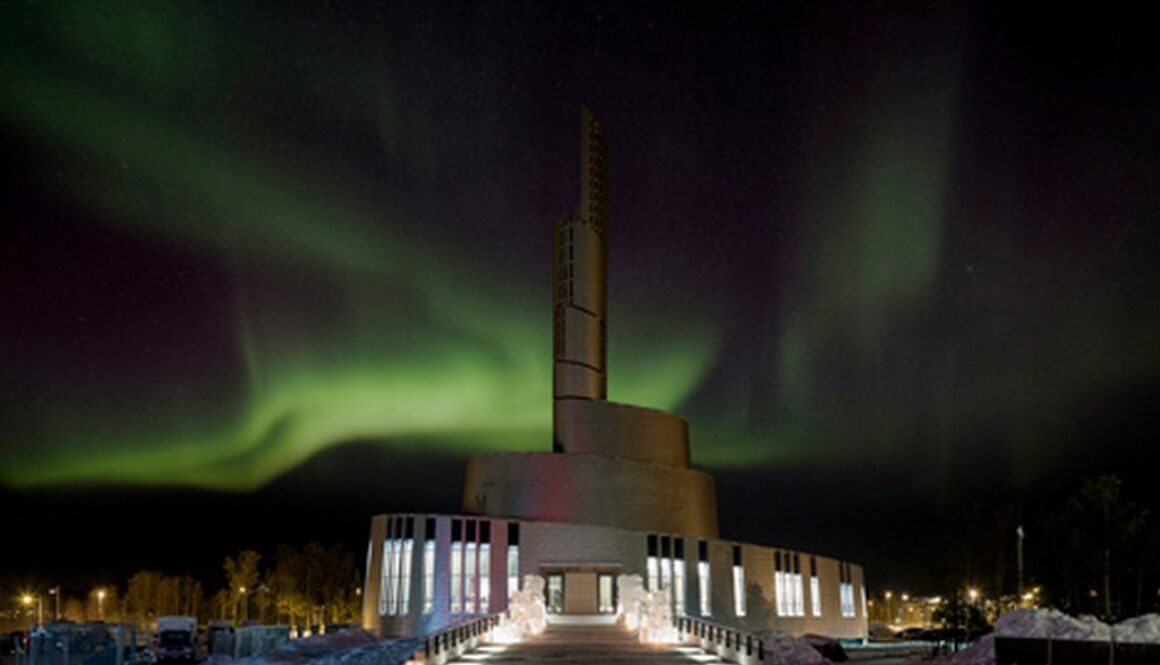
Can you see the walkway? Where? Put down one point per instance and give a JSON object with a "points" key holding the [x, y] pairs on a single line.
{"points": [[580, 642]]}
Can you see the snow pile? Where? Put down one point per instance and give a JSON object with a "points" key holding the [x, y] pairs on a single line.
{"points": [[339, 652], [785, 648], [526, 615], [1056, 625], [1142, 629], [979, 653], [1053, 624]]}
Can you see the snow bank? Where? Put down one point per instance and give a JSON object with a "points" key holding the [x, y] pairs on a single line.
{"points": [[979, 653], [1142, 629], [1052, 624], [1055, 625], [785, 648], [1059, 626]]}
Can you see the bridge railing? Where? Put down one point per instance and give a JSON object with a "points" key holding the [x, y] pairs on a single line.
{"points": [[452, 642], [729, 643]]}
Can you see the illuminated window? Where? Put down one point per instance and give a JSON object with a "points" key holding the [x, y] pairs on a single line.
{"points": [[405, 567], [738, 583], [778, 584], [652, 566], [513, 559], [456, 566], [815, 588], [469, 562], [484, 566], [666, 565], [799, 600], [679, 576], [845, 590], [429, 567], [703, 580], [384, 586]]}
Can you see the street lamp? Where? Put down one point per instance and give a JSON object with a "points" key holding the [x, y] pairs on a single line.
{"points": [[27, 599], [101, 604]]}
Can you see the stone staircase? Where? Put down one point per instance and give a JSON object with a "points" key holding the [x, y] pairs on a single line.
{"points": [[583, 642]]}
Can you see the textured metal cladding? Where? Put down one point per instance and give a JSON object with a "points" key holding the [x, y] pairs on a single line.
{"points": [[592, 489]]}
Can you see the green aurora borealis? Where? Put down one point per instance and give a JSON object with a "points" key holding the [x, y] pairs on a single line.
{"points": [[875, 262]]}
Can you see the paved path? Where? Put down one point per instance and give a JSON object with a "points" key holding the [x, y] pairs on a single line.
{"points": [[583, 644]]}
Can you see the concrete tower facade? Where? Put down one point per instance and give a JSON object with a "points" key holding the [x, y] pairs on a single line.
{"points": [[611, 464]]}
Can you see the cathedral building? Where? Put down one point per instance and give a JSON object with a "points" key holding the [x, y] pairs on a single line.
{"points": [[616, 495]]}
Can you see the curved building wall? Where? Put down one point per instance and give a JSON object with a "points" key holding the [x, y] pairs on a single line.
{"points": [[592, 489], [621, 430]]}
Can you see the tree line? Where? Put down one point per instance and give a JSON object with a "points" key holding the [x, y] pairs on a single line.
{"points": [[1095, 552], [302, 586]]}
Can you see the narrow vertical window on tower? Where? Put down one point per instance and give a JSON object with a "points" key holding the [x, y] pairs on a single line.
{"points": [[469, 562], [456, 566], [704, 582], [815, 588], [738, 583], [679, 576], [405, 567], [513, 559], [429, 566], [484, 566], [651, 564]]}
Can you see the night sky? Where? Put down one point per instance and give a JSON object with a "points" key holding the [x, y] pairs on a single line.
{"points": [[266, 271]]}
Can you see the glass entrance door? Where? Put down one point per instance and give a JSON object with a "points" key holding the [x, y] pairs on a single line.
{"points": [[555, 593], [606, 594]]}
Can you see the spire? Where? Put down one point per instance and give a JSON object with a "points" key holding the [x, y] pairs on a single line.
{"points": [[579, 300], [593, 153]]}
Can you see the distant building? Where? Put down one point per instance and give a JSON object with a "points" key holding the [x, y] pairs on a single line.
{"points": [[617, 495]]}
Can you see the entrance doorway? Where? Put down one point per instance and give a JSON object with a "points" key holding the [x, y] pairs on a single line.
{"points": [[580, 589]]}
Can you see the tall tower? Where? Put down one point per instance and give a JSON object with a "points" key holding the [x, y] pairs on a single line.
{"points": [[579, 369], [611, 464]]}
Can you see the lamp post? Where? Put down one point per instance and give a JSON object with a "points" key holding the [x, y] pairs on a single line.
{"points": [[55, 593], [264, 592], [101, 604]]}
